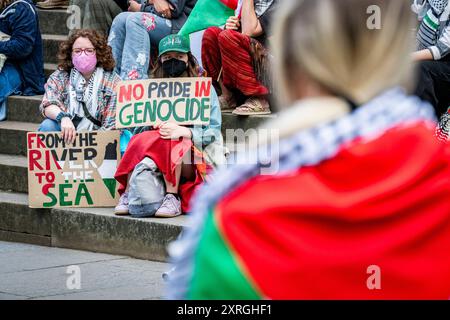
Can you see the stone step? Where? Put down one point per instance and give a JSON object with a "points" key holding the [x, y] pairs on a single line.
{"points": [[49, 68], [54, 21], [24, 109], [13, 173], [96, 229], [51, 44], [13, 137], [19, 223], [233, 122]]}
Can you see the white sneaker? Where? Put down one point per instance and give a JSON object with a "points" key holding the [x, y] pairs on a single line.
{"points": [[170, 208], [122, 208]]}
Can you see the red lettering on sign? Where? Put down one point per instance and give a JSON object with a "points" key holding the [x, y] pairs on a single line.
{"points": [[203, 89], [125, 92], [35, 155], [136, 95], [31, 141]]}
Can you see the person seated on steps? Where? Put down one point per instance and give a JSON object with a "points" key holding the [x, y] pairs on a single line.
{"points": [[135, 35], [80, 94], [199, 148], [21, 58], [433, 53], [98, 14], [238, 59]]}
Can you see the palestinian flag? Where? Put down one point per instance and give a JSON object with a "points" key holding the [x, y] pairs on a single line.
{"points": [[209, 13], [374, 214], [356, 208], [109, 168]]}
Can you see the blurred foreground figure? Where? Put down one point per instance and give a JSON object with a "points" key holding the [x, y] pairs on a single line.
{"points": [[358, 207]]}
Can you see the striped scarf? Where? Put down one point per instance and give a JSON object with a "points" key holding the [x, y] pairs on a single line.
{"points": [[429, 29]]}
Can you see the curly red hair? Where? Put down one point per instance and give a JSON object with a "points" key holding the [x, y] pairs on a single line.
{"points": [[102, 50]]}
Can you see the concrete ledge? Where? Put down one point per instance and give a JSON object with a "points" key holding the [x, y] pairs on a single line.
{"points": [[49, 68], [231, 121], [13, 137], [25, 109], [53, 21], [100, 230], [13, 173], [25, 238], [51, 43], [96, 229], [16, 216]]}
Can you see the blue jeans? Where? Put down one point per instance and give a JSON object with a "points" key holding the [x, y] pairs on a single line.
{"points": [[132, 36], [10, 84], [49, 125]]}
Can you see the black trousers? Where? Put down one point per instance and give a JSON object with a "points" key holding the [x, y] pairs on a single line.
{"points": [[123, 4], [434, 84]]}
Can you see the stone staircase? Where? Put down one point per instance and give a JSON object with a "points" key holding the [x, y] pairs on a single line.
{"points": [[85, 229]]}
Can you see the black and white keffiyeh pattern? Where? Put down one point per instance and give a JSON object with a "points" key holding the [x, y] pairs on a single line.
{"points": [[443, 129], [438, 5], [261, 6], [87, 92], [306, 148]]}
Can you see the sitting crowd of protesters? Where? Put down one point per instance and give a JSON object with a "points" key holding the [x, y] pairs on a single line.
{"points": [[80, 95]]}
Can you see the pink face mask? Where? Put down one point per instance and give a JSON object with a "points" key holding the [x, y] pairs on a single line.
{"points": [[84, 63]]}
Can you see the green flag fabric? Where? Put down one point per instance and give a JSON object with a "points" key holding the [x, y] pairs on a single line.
{"points": [[206, 13]]}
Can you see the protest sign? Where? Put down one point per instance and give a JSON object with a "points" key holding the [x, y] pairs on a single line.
{"points": [[76, 175], [184, 101]]}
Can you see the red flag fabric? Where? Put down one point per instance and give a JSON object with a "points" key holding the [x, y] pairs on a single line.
{"points": [[376, 214], [232, 4]]}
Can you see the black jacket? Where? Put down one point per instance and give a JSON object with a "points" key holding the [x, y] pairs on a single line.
{"points": [[180, 14]]}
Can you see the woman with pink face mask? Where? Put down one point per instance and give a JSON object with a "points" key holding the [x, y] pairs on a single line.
{"points": [[80, 95]]}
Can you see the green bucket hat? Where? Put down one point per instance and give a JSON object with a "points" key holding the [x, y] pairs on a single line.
{"points": [[174, 42]]}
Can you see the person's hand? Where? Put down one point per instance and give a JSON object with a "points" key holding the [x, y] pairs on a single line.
{"points": [[172, 131], [232, 23], [163, 7], [68, 130], [134, 6]]}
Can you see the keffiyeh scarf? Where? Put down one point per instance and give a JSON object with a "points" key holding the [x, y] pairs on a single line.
{"points": [[261, 6], [84, 91]]}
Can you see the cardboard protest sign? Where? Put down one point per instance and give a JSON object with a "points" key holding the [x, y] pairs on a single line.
{"points": [[184, 101], [76, 175]]}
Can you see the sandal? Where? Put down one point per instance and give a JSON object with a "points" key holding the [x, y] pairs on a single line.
{"points": [[253, 106], [227, 105]]}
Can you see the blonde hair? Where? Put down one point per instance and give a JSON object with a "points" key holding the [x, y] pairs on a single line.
{"points": [[330, 43]]}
